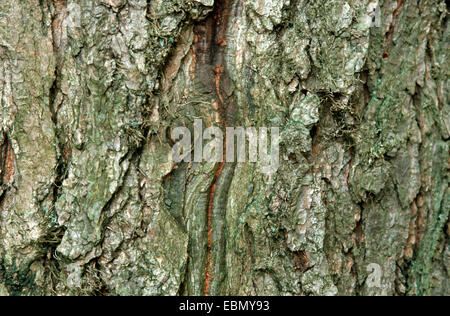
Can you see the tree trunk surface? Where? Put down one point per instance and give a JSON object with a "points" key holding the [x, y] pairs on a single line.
{"points": [[92, 203]]}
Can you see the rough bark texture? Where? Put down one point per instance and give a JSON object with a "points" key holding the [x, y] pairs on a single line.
{"points": [[92, 204]]}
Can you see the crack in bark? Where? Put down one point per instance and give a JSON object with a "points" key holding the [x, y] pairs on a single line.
{"points": [[390, 33], [8, 169], [7, 172], [58, 40], [209, 61], [208, 274]]}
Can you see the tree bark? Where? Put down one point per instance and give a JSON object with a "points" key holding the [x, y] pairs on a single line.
{"points": [[91, 202]]}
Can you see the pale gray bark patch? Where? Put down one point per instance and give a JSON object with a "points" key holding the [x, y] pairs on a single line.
{"points": [[91, 202]]}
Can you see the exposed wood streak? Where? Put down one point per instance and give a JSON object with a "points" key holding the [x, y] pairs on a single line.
{"points": [[390, 33], [8, 168], [210, 50], [208, 274], [218, 75]]}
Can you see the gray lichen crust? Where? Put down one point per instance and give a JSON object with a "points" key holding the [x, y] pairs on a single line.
{"points": [[91, 202]]}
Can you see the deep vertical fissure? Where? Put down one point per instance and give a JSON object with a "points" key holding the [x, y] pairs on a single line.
{"points": [[210, 49]]}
